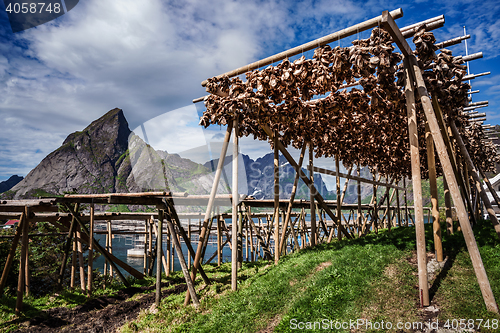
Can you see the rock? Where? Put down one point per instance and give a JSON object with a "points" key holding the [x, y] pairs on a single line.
{"points": [[106, 157]]}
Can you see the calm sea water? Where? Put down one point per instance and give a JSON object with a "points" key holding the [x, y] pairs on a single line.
{"points": [[121, 243]]}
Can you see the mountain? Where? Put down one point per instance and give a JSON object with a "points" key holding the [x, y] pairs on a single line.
{"points": [[106, 157], [9, 183]]}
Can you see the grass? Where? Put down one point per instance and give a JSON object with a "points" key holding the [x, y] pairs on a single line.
{"points": [[370, 279]]}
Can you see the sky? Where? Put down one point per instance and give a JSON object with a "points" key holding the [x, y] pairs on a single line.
{"points": [[148, 58]]}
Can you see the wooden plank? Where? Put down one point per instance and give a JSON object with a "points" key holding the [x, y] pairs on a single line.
{"points": [[389, 25], [477, 262], [358, 178], [417, 186]]}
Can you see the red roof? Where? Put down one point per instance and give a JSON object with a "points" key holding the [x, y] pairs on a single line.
{"points": [[12, 222]]}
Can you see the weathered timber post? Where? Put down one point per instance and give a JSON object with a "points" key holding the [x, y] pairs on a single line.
{"points": [[109, 248], [311, 196], [431, 164], [67, 247], [234, 215], [73, 263], [292, 196], [215, 185], [189, 238], [22, 263], [83, 285], [169, 253], [358, 217], [145, 260], [477, 262], [406, 202], [90, 264], [417, 186], [339, 200], [219, 239], [447, 203], [276, 199], [399, 206], [159, 244], [182, 261]]}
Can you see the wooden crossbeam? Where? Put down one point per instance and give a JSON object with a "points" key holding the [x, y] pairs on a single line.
{"points": [[362, 180]]}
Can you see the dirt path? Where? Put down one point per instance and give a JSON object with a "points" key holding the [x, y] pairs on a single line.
{"points": [[102, 314]]}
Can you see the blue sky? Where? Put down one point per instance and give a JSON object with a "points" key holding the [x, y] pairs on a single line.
{"points": [[149, 57]]}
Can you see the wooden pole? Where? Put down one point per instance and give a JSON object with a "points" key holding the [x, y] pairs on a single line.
{"points": [[189, 238], [447, 202], [73, 263], [399, 207], [150, 246], [234, 222], [111, 259], [375, 207], [91, 252], [358, 217], [431, 164], [339, 200], [484, 284], [173, 215], [406, 202], [80, 260], [203, 231], [145, 262], [182, 261], [490, 187], [477, 181], [162, 254], [219, 239], [22, 264], [311, 196], [169, 253], [12, 253], [417, 186], [292, 196], [159, 252], [109, 247], [312, 45], [66, 251], [276, 199]]}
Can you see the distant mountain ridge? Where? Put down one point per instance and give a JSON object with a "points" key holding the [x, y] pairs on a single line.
{"points": [[9, 183]]}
